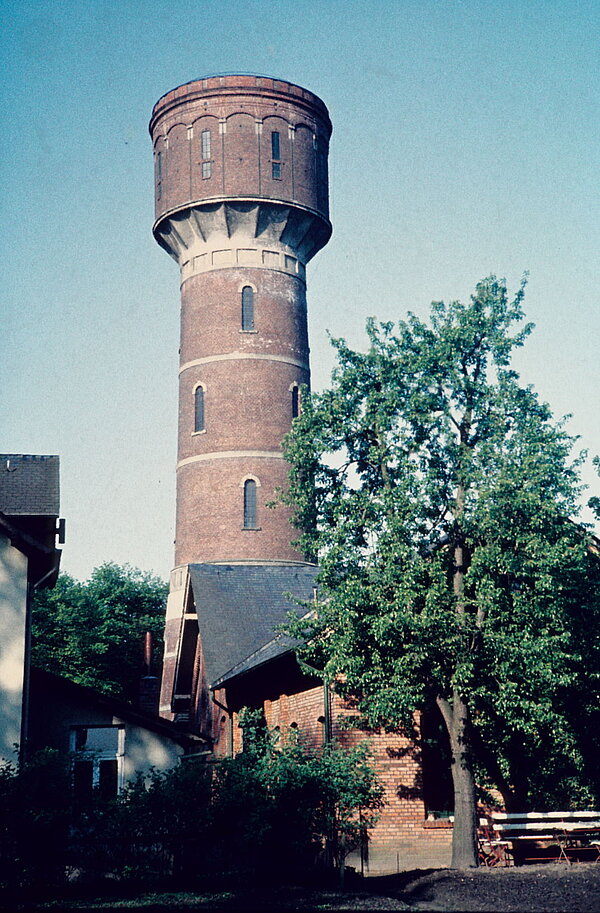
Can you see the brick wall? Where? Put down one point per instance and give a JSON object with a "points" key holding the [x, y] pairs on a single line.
{"points": [[232, 219], [402, 838], [240, 113], [247, 378]]}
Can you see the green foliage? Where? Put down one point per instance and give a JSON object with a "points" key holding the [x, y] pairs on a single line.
{"points": [[34, 822], [436, 492], [329, 799], [267, 812], [92, 632], [594, 502]]}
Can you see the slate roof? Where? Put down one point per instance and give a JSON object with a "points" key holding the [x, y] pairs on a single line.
{"points": [[277, 647], [240, 606], [29, 485]]}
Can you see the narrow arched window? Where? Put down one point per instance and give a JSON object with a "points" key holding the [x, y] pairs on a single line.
{"points": [[249, 504], [158, 173], [275, 145], [247, 308], [275, 156], [295, 402], [199, 409], [205, 152]]}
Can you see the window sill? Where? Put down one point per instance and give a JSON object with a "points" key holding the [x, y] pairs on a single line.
{"points": [[250, 529], [249, 331], [196, 433]]}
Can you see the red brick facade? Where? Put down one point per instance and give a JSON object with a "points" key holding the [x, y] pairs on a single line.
{"points": [[403, 837], [247, 377], [240, 113], [241, 203]]}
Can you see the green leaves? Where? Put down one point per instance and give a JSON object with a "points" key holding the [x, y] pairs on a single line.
{"points": [[93, 632], [439, 495]]}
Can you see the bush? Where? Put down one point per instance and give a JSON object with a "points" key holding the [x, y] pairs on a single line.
{"points": [[35, 819], [273, 811]]}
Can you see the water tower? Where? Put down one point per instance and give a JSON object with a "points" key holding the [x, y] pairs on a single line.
{"points": [[242, 206]]}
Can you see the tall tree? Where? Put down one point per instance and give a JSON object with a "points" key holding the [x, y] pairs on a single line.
{"points": [[93, 632], [436, 492]]}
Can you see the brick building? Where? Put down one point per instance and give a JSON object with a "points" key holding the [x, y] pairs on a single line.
{"points": [[242, 206]]}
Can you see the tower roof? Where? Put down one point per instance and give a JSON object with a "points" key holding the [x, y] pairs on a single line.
{"points": [[235, 83]]}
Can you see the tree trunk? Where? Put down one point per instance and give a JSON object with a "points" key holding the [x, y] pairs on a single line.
{"points": [[464, 834]]}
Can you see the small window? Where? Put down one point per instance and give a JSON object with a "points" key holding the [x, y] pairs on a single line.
{"points": [[205, 152], [97, 762], [275, 156], [199, 409], [275, 146], [249, 504], [247, 308], [158, 173], [295, 402]]}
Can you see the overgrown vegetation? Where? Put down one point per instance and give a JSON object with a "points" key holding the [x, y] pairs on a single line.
{"points": [[93, 632], [273, 811], [438, 495]]}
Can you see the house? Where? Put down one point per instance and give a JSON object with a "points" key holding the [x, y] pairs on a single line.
{"points": [[29, 528], [110, 741], [229, 654]]}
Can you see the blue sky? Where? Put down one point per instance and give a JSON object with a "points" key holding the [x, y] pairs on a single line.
{"points": [[466, 142]]}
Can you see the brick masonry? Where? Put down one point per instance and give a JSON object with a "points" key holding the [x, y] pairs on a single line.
{"points": [[403, 838], [236, 209]]}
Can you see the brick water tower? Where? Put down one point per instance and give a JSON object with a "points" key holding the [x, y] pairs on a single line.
{"points": [[242, 206]]}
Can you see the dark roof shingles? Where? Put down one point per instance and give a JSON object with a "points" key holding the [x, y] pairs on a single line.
{"points": [[240, 606], [29, 485]]}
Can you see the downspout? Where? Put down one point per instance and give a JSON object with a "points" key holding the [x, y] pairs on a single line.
{"points": [[327, 711]]}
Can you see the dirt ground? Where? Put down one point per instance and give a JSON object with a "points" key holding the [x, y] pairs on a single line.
{"points": [[547, 888], [530, 889]]}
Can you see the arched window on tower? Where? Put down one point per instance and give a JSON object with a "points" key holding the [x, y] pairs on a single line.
{"points": [[205, 152], [249, 504], [199, 409], [159, 174], [275, 155], [247, 308], [295, 401]]}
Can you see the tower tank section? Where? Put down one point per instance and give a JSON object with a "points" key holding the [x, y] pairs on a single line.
{"points": [[242, 205]]}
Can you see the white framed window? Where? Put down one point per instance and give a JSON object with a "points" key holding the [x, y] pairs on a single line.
{"points": [[205, 153], [98, 753]]}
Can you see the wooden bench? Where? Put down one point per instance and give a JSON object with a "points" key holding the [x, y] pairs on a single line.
{"points": [[557, 836]]}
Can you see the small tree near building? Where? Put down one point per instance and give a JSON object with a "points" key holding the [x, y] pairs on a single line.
{"points": [[436, 492]]}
